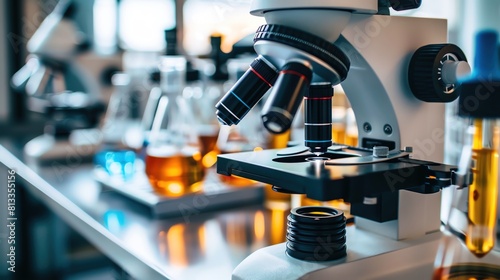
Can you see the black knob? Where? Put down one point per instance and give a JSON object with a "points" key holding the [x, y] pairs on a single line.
{"points": [[401, 5], [429, 74]]}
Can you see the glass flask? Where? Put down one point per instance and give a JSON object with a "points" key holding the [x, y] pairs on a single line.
{"points": [[469, 248], [121, 112], [173, 158]]}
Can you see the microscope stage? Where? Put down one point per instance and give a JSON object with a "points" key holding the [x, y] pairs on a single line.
{"points": [[294, 170]]}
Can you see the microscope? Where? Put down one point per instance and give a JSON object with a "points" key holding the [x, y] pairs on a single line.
{"points": [[398, 73], [69, 83]]}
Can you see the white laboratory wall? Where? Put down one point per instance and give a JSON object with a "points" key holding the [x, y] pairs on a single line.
{"points": [[4, 79], [475, 16], [229, 19], [141, 23], [105, 26]]}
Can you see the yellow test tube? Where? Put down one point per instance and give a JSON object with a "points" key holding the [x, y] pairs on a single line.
{"points": [[483, 192]]}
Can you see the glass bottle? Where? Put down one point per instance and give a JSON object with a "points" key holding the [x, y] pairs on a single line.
{"points": [[469, 248], [173, 159]]}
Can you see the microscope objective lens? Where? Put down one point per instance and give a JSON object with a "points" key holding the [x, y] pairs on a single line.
{"points": [[247, 91], [286, 96], [318, 117]]}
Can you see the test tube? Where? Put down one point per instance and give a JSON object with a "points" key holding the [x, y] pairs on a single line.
{"points": [[483, 192]]}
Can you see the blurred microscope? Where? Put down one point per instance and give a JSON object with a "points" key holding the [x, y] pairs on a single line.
{"points": [[68, 83], [401, 74]]}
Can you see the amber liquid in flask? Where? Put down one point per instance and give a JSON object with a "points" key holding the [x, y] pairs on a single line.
{"points": [[173, 171], [483, 192]]}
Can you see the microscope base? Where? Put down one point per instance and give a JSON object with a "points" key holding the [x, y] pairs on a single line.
{"points": [[369, 256]]}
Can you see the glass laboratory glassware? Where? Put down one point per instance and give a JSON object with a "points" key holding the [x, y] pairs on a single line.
{"points": [[155, 93], [118, 111], [116, 163], [469, 248], [202, 98], [173, 159]]}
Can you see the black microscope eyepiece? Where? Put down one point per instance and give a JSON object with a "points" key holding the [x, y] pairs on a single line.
{"points": [[286, 96], [318, 117], [247, 91]]}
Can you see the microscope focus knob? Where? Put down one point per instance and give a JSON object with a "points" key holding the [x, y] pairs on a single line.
{"points": [[435, 70]]}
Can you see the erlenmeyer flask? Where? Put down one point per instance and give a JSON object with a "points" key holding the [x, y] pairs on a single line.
{"points": [[173, 159]]}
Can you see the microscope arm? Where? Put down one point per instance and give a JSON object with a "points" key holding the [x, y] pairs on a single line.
{"points": [[387, 112]]}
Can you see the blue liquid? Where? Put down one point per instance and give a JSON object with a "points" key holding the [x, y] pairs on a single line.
{"points": [[117, 163]]}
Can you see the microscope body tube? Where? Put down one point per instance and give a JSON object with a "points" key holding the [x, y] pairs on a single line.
{"points": [[247, 91], [286, 96], [318, 117]]}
